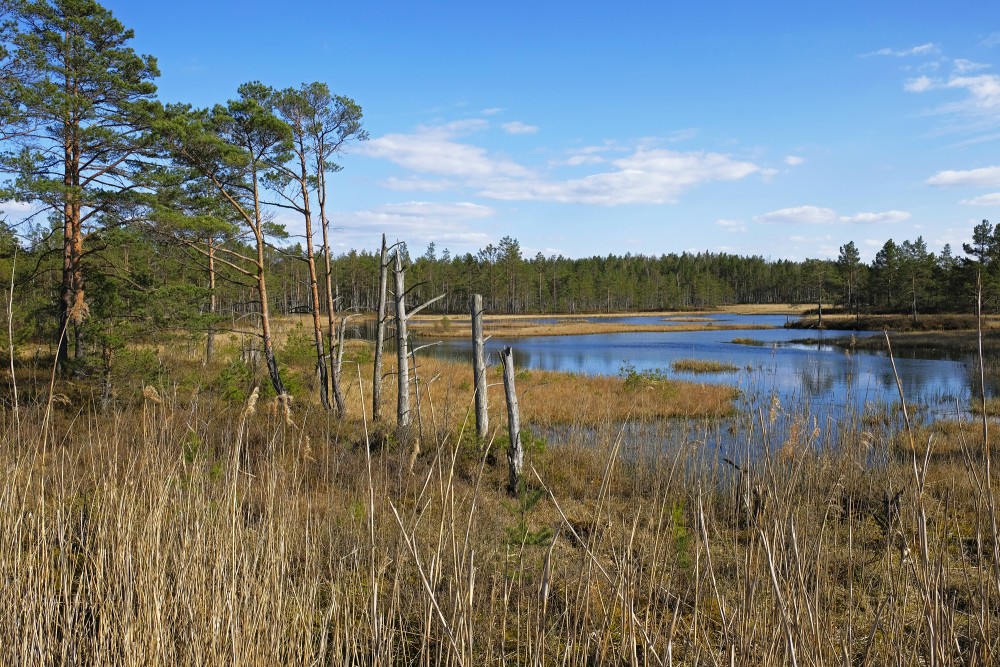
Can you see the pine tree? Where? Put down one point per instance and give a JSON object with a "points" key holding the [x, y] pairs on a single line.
{"points": [[75, 115]]}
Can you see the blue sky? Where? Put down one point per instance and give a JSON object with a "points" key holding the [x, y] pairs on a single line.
{"points": [[778, 129]]}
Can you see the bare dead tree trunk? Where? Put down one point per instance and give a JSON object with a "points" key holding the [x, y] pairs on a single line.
{"points": [[337, 360], [383, 279], [479, 367], [403, 362], [515, 453]]}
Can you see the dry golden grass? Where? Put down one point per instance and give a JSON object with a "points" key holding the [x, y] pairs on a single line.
{"points": [[183, 529], [188, 534], [547, 397]]}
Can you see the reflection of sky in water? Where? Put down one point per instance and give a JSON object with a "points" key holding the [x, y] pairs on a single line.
{"points": [[819, 374]]}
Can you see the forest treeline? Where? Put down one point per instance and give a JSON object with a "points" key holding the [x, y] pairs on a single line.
{"points": [[124, 218], [903, 277]]}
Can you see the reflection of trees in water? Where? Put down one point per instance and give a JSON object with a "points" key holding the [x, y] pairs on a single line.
{"points": [[816, 378], [990, 372]]}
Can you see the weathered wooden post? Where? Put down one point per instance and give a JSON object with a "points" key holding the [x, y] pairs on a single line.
{"points": [[383, 279], [515, 453], [479, 367]]}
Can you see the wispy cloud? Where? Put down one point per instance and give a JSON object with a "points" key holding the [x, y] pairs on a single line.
{"points": [[983, 90], [18, 208], [918, 84], [438, 156], [492, 111], [645, 177], [988, 177], [445, 223], [435, 151], [805, 215], [975, 103], [879, 218], [794, 160], [414, 184], [921, 50], [517, 127], [962, 65], [737, 226], [992, 199], [991, 40], [816, 215]]}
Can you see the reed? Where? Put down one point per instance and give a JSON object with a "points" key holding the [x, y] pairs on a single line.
{"points": [[184, 530]]}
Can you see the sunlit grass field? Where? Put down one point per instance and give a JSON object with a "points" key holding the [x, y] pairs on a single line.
{"points": [[195, 521]]}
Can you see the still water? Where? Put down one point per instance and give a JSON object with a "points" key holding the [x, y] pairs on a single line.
{"points": [[827, 378]]}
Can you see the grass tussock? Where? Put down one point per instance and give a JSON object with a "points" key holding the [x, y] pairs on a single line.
{"points": [[755, 342], [702, 366]]}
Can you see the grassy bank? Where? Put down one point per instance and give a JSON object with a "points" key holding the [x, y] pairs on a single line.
{"points": [[177, 532], [181, 527]]}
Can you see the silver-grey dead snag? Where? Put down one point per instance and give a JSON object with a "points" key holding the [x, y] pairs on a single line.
{"points": [[515, 453], [402, 340], [402, 362], [383, 279], [479, 367]]}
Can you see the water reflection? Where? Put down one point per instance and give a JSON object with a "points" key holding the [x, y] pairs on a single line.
{"points": [[829, 378]]}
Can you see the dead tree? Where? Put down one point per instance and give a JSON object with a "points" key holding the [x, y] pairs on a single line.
{"points": [[383, 279], [402, 363], [515, 453], [479, 367], [402, 341]]}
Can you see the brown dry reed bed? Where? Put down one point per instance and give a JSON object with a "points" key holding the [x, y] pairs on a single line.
{"points": [[180, 530]]}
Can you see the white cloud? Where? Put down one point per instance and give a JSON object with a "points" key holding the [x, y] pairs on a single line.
{"points": [[579, 160], [993, 39], [962, 65], [815, 215], [882, 217], [733, 225], [918, 85], [517, 127], [440, 210], [418, 184], [492, 111], [805, 215], [984, 90], [418, 222], [433, 150], [921, 50], [18, 208], [794, 160], [992, 199], [645, 177], [988, 177]]}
